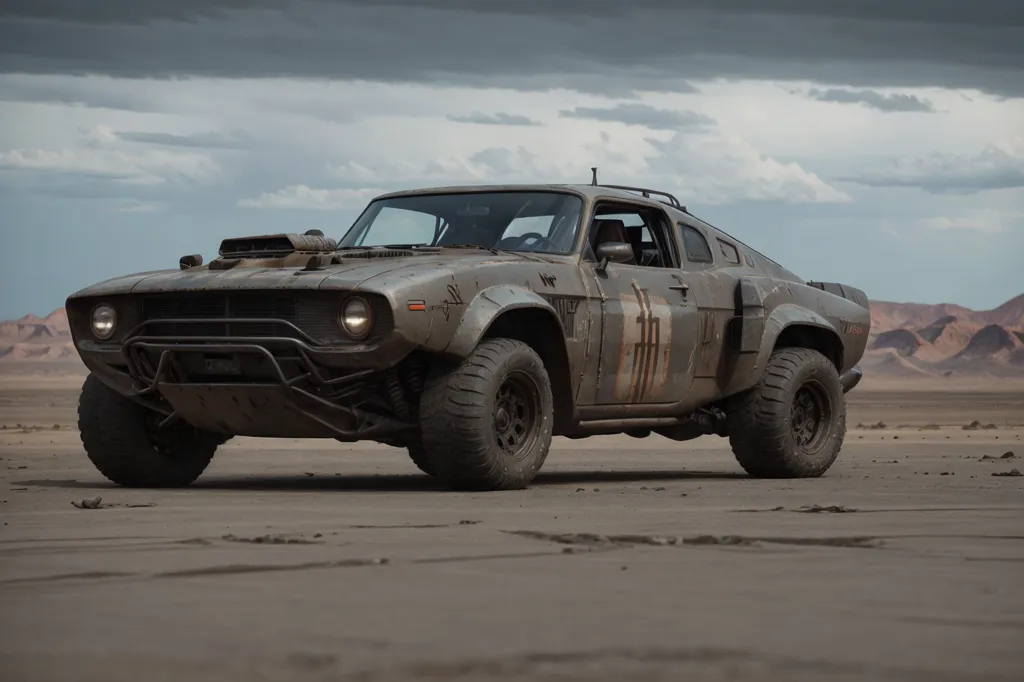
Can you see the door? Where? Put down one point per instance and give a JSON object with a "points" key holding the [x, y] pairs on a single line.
{"points": [[649, 325]]}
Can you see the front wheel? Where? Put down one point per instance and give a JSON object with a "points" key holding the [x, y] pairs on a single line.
{"points": [[486, 423], [125, 442], [792, 424]]}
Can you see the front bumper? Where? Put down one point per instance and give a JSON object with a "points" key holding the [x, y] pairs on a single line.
{"points": [[267, 386]]}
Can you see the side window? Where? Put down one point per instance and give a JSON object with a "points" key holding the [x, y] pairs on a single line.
{"points": [[643, 229], [732, 256], [400, 226], [696, 247]]}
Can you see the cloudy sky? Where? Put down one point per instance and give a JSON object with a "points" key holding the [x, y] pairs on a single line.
{"points": [[874, 142]]}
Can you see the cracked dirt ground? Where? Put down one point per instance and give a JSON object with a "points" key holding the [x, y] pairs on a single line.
{"points": [[627, 560]]}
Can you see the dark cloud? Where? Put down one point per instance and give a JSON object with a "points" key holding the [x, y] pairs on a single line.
{"points": [[498, 119], [583, 45], [198, 140], [83, 92], [641, 115], [875, 100]]}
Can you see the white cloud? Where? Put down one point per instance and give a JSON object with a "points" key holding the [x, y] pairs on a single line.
{"points": [[303, 197], [101, 156], [998, 166], [144, 168], [724, 168], [982, 220]]}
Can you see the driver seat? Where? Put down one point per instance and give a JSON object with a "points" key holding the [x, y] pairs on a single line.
{"points": [[611, 231]]}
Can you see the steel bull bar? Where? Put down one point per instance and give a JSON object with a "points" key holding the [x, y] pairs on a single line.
{"points": [[250, 408]]}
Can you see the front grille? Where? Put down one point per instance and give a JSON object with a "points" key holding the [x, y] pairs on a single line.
{"points": [[314, 312]]}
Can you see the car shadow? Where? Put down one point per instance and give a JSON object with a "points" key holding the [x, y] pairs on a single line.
{"points": [[396, 482]]}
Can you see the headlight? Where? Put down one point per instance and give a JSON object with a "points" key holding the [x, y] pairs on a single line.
{"points": [[103, 321], [356, 317]]}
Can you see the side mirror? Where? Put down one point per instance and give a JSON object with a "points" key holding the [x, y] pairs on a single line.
{"points": [[613, 252]]}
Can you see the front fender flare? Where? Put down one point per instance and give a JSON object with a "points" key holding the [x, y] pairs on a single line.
{"points": [[486, 307]]}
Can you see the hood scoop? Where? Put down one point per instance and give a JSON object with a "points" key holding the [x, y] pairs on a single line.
{"points": [[276, 245], [274, 250]]}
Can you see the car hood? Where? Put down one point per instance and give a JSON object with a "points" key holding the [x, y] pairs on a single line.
{"points": [[351, 274]]}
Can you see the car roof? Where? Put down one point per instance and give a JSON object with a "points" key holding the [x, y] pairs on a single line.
{"points": [[587, 190]]}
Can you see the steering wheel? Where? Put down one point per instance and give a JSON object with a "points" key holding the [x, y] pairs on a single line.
{"points": [[539, 237]]}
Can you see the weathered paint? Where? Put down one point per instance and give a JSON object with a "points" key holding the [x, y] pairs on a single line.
{"points": [[655, 340]]}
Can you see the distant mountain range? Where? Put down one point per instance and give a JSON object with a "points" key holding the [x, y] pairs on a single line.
{"points": [[918, 340], [907, 340]]}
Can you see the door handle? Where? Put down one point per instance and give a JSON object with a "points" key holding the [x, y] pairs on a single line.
{"points": [[680, 286]]}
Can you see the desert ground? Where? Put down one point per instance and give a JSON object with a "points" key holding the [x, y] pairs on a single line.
{"points": [[626, 560]]}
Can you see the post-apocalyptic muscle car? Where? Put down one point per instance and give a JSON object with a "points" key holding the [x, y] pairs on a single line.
{"points": [[469, 325]]}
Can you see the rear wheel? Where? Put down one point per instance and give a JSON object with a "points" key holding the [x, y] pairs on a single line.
{"points": [[792, 424], [486, 423], [125, 442]]}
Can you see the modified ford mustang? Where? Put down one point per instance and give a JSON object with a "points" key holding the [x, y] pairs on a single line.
{"points": [[469, 326]]}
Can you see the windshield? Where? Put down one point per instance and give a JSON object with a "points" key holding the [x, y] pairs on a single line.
{"points": [[545, 222]]}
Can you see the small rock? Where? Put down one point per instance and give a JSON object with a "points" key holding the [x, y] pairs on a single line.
{"points": [[1011, 472], [93, 503]]}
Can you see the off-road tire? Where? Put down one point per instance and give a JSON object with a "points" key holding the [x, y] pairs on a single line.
{"points": [[421, 459], [117, 435], [764, 425], [464, 423]]}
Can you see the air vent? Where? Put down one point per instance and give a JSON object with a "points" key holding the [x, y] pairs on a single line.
{"points": [[382, 253], [275, 245]]}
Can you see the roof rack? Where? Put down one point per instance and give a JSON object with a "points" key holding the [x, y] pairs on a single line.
{"points": [[646, 193]]}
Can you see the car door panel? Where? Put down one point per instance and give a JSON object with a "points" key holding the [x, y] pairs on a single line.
{"points": [[649, 335]]}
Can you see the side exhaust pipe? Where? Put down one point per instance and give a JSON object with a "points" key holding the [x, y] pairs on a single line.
{"points": [[850, 378]]}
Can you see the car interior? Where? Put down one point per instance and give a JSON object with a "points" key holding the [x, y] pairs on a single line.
{"points": [[644, 230]]}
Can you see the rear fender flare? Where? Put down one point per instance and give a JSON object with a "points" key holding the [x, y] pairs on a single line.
{"points": [[783, 317], [486, 307]]}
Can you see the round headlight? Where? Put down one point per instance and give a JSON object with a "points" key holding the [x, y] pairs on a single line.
{"points": [[356, 317], [103, 321]]}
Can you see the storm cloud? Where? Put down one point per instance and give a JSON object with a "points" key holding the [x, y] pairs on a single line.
{"points": [[640, 115], [895, 103], [527, 44]]}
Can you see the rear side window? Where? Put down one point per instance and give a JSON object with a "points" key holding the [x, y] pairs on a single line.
{"points": [[729, 251], [696, 247]]}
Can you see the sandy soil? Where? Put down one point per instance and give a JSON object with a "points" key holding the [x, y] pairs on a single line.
{"points": [[627, 560]]}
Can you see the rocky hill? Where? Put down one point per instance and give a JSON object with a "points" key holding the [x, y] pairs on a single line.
{"points": [[913, 339], [37, 339], [907, 340]]}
